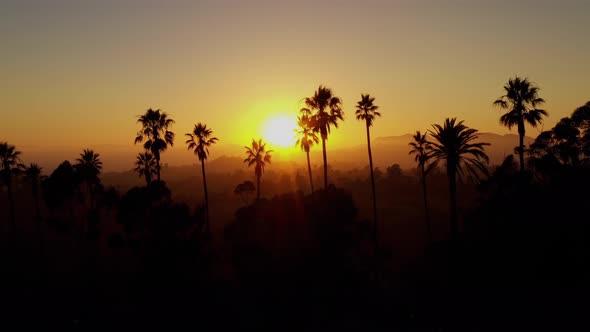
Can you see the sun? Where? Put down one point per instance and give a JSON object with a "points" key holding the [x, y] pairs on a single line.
{"points": [[279, 131]]}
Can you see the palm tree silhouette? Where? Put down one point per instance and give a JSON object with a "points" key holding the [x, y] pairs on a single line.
{"points": [[328, 110], [521, 101], [89, 167], [199, 141], [306, 138], [33, 175], [10, 164], [367, 111], [421, 151], [257, 155], [145, 165], [453, 146], [154, 130], [244, 189]]}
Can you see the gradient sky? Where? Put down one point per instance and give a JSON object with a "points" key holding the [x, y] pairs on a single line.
{"points": [[77, 73]]}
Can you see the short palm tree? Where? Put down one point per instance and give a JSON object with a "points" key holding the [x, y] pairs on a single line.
{"points": [[421, 151], [155, 126], [145, 166], [306, 138], [89, 167], [366, 111], [244, 189], [326, 110], [199, 141], [257, 155], [521, 100], [33, 175], [10, 164], [454, 146]]}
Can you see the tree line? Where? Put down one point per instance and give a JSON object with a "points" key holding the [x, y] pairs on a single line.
{"points": [[452, 145]]}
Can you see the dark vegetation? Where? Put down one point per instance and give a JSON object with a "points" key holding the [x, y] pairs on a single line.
{"points": [[480, 248]]}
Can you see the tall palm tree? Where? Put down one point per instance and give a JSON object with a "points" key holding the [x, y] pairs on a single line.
{"points": [[367, 111], [89, 167], [421, 151], [306, 138], [326, 110], [33, 175], [154, 130], [521, 99], [257, 155], [454, 146], [10, 164], [145, 165], [199, 141]]}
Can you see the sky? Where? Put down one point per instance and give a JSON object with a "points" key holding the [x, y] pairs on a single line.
{"points": [[78, 73]]}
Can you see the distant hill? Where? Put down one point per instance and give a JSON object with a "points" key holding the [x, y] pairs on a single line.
{"points": [[228, 157], [394, 150]]}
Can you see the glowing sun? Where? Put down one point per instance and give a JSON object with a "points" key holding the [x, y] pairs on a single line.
{"points": [[279, 131]]}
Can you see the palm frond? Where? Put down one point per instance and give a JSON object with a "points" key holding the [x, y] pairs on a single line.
{"points": [[453, 147]]}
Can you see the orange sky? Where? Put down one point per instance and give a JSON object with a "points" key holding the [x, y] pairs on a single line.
{"points": [[77, 73]]}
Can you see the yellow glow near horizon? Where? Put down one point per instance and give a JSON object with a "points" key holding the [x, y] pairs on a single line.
{"points": [[279, 131]]}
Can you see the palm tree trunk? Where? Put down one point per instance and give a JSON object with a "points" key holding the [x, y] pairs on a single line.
{"points": [[309, 171], [11, 204], [206, 195], [148, 177], [521, 151], [521, 132], [38, 219], [372, 187], [257, 187], [158, 167], [37, 208], [85, 218], [453, 205], [91, 196], [325, 163], [426, 214]]}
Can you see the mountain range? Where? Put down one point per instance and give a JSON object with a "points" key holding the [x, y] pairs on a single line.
{"points": [[387, 151]]}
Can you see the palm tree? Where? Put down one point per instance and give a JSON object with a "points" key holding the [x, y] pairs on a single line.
{"points": [[33, 175], [244, 189], [154, 130], [521, 101], [257, 155], [421, 151], [89, 167], [453, 145], [367, 111], [10, 164], [326, 110], [306, 138], [199, 141], [145, 165]]}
